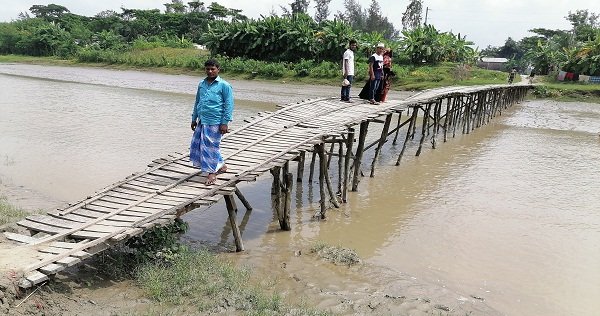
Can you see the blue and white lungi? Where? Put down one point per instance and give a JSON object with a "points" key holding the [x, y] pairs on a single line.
{"points": [[204, 150]]}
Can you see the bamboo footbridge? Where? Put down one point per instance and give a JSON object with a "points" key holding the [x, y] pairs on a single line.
{"points": [[171, 186]]}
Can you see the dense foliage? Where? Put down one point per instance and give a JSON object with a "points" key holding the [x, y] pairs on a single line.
{"points": [[293, 37], [277, 38], [576, 50]]}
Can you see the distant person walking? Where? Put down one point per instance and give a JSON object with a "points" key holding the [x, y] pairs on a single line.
{"points": [[211, 115], [348, 70], [511, 75], [531, 75]]}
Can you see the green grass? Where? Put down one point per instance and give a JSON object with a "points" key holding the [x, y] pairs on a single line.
{"points": [[566, 91], [199, 282], [445, 74], [10, 213]]}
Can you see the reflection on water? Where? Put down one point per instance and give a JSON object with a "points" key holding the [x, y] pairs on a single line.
{"points": [[508, 213]]}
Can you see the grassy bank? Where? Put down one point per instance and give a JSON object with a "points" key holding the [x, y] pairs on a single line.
{"points": [[566, 91], [10, 213], [200, 282], [190, 61], [182, 281]]}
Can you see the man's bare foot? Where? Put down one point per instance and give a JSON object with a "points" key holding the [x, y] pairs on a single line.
{"points": [[222, 169], [212, 177]]}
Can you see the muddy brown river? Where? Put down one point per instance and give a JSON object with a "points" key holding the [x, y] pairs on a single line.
{"points": [[508, 216]]}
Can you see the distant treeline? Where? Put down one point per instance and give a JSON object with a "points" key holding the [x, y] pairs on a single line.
{"points": [[52, 30], [576, 50]]}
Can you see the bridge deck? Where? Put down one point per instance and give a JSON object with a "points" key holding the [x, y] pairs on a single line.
{"points": [[171, 185]]}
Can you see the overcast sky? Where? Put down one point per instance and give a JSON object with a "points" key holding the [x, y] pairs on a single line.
{"points": [[485, 22]]}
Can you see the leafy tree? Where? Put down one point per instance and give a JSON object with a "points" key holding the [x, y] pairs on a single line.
{"points": [[370, 20], [546, 33], [353, 15], [217, 11], [511, 50], [411, 18], [322, 10], [176, 6], [47, 40], [490, 51], [299, 6], [545, 56], [10, 35], [583, 23], [585, 59], [376, 22], [196, 6], [427, 45], [50, 12]]}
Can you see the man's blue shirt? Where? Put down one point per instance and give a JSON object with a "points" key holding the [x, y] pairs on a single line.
{"points": [[214, 102]]}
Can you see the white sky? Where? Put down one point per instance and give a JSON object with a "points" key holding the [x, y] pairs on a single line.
{"points": [[485, 22]]}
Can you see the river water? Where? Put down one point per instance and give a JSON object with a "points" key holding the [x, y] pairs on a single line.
{"points": [[509, 214]]}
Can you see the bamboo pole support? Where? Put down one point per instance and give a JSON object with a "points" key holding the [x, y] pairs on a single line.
{"points": [[284, 222], [347, 157], [364, 126], [424, 129], [312, 167], [340, 161], [398, 127], [325, 172], [456, 108], [414, 131], [300, 173], [276, 186], [242, 199], [413, 120], [320, 149], [331, 148], [382, 139], [446, 119], [231, 210], [436, 118]]}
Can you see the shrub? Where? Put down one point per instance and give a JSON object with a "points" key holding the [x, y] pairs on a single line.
{"points": [[325, 69], [303, 68], [272, 70]]}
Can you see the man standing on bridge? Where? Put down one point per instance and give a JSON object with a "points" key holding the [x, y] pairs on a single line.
{"points": [[213, 110], [348, 70], [375, 72]]}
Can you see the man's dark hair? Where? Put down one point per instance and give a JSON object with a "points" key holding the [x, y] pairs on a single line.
{"points": [[211, 63], [352, 41]]}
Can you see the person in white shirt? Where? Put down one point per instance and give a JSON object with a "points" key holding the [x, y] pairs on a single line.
{"points": [[348, 70]]}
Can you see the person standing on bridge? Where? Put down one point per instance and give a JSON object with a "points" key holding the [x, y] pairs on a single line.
{"points": [[511, 75], [348, 70], [375, 72], [212, 112]]}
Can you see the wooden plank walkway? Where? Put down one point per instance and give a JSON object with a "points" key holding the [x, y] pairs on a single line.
{"points": [[171, 186]]}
